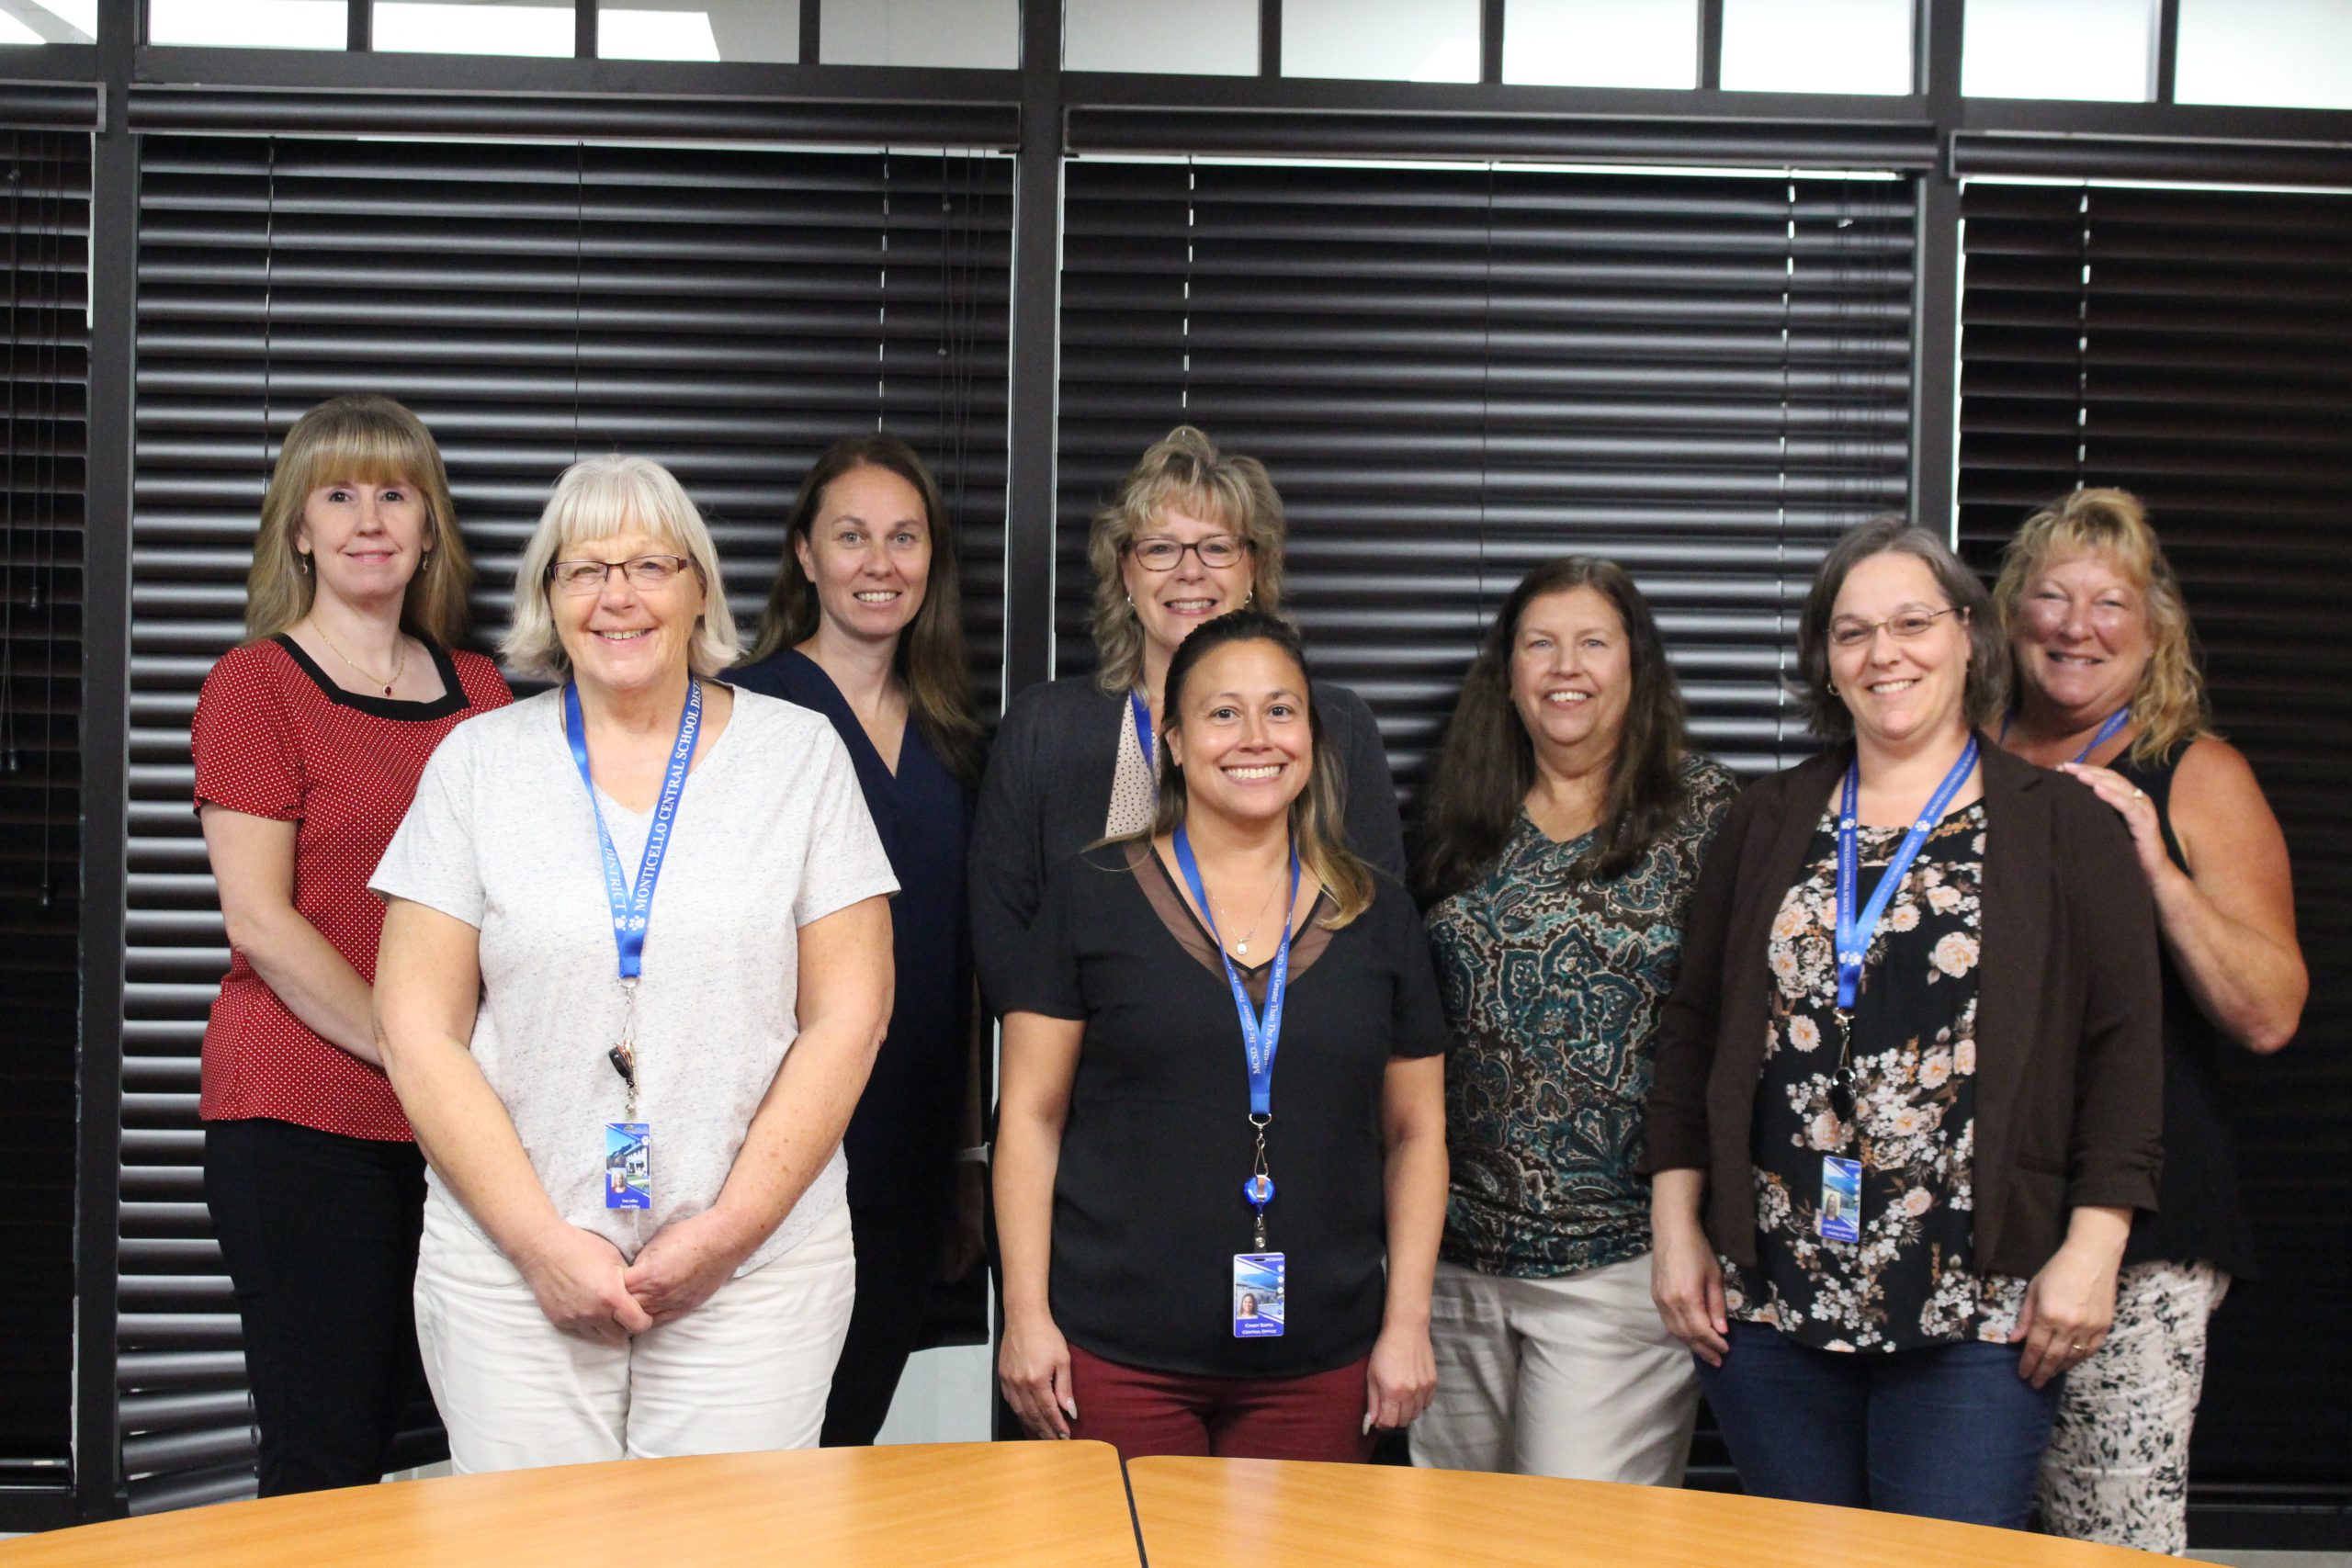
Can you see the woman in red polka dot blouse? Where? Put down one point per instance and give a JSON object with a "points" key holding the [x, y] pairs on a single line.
{"points": [[309, 740]]}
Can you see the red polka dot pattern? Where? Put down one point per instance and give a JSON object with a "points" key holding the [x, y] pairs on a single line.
{"points": [[273, 738]]}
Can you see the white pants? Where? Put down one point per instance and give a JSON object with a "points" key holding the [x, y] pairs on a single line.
{"points": [[747, 1369], [2117, 1468], [1572, 1377]]}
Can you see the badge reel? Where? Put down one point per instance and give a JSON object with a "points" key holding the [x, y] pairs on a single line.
{"points": [[628, 1146], [1257, 1275]]}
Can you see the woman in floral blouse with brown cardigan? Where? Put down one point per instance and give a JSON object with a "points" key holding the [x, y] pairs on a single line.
{"points": [[1887, 1227]]}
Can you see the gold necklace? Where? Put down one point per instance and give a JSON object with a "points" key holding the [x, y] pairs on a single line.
{"points": [[399, 658]]}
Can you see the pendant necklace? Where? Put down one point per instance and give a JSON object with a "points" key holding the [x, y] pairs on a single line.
{"points": [[399, 658], [1241, 948]]}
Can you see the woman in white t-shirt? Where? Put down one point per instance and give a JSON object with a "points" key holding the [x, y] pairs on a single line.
{"points": [[636, 964]]}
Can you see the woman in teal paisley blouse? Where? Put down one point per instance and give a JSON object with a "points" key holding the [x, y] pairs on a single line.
{"points": [[1562, 834]]}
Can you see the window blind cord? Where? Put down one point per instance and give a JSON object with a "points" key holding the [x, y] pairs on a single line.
{"points": [[2083, 347], [51, 257], [268, 286], [882, 316], [1780, 520], [1486, 397], [9, 729], [1184, 380], [579, 279]]}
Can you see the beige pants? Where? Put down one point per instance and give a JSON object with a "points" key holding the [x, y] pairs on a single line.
{"points": [[1573, 1377], [747, 1369]]}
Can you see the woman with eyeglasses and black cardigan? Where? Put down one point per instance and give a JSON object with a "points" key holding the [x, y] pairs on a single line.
{"points": [[1908, 1093], [1193, 534]]}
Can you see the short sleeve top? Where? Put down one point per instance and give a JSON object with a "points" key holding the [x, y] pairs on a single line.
{"points": [[1553, 982], [275, 737], [1148, 1211], [769, 835]]}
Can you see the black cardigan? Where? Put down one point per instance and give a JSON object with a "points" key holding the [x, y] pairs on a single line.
{"points": [[1048, 790], [2069, 1010]]}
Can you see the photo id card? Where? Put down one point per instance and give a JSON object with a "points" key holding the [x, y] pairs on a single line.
{"points": [[1841, 1199], [1257, 1295], [628, 1165]]}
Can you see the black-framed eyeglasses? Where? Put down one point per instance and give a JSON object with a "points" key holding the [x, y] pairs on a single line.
{"points": [[586, 577], [1909, 627], [1161, 553]]}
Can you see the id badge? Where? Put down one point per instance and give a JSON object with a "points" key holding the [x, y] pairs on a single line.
{"points": [[1257, 1295], [1841, 1199], [628, 1165]]}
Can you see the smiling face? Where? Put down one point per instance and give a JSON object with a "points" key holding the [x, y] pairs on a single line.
{"points": [[1571, 672], [1243, 737], [1900, 691], [868, 553], [365, 541], [623, 638], [1170, 603], [2081, 638]]}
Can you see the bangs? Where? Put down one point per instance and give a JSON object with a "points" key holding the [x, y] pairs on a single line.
{"points": [[2097, 533], [363, 449], [607, 502]]}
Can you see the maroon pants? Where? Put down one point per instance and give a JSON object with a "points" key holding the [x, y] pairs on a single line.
{"points": [[1320, 1417]]}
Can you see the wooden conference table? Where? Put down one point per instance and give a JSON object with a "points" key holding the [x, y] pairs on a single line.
{"points": [[1240, 1512], [1063, 1505], [955, 1504]]}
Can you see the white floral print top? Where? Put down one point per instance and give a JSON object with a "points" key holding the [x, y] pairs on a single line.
{"points": [[1908, 1284]]}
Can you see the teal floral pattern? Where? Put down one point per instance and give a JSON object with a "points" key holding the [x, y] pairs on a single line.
{"points": [[1553, 984], [1908, 1282]]}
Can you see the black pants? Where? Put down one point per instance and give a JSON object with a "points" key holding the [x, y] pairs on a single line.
{"points": [[898, 1260], [318, 1232]]}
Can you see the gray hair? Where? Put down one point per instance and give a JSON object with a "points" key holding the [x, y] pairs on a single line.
{"points": [[596, 499]]}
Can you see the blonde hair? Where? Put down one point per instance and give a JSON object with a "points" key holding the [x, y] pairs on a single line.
{"points": [[2168, 710], [1319, 817], [596, 499], [367, 440], [1183, 470]]}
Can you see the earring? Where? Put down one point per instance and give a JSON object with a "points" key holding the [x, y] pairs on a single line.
{"points": [[303, 557]]}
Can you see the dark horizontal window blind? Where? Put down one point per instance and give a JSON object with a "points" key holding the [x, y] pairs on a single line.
{"points": [[728, 312], [2196, 347], [1456, 374], [45, 210]]}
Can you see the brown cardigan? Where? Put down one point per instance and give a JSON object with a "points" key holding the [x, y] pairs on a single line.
{"points": [[2069, 1012]]}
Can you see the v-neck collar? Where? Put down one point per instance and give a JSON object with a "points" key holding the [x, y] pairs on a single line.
{"points": [[853, 732], [1301, 959]]}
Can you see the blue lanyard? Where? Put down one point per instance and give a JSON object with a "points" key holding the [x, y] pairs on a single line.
{"points": [[1260, 1035], [1854, 933], [633, 907], [1143, 733], [2107, 731]]}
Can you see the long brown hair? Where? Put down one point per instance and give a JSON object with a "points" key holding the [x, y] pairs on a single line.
{"points": [[2169, 707], [365, 439], [1318, 816], [1487, 763], [930, 661], [1184, 469]]}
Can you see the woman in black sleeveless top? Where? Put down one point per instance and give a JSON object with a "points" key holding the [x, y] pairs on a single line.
{"points": [[2108, 690]]}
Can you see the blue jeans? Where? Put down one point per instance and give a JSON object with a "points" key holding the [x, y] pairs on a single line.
{"points": [[1950, 1432]]}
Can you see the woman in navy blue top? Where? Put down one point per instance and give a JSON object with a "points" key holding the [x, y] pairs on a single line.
{"points": [[864, 625]]}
